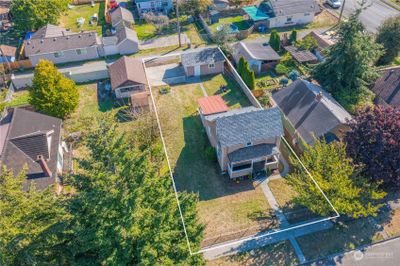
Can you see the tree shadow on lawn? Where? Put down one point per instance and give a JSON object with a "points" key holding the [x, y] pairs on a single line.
{"points": [[195, 172]]}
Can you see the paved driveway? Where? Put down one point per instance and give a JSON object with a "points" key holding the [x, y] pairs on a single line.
{"points": [[163, 41], [373, 16], [165, 74]]}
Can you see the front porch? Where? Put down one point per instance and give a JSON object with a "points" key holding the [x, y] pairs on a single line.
{"points": [[253, 159]]}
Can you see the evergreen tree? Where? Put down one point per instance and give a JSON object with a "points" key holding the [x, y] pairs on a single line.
{"points": [[349, 69], [389, 37], [275, 41], [252, 80], [293, 37], [27, 219], [30, 15], [51, 92], [124, 213], [240, 66], [351, 194]]}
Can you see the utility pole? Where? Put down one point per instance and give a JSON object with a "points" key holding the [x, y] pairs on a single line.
{"points": [[341, 11], [178, 23]]}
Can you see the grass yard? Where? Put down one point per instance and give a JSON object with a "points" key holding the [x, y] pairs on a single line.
{"points": [[224, 206], [341, 237], [322, 20], [145, 31], [19, 98], [278, 254], [234, 97], [238, 21], [69, 19]]}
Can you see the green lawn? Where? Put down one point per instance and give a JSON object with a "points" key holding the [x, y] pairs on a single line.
{"points": [[278, 254], [234, 96], [19, 98], [68, 20], [224, 206], [145, 31], [237, 21]]}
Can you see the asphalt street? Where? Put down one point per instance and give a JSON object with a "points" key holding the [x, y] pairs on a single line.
{"points": [[375, 13]]}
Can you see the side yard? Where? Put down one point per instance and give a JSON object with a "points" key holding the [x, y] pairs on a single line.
{"points": [[228, 209]]}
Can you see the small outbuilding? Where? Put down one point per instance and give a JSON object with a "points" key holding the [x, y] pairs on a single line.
{"points": [[122, 16], [213, 16], [259, 55], [7, 53], [301, 55], [204, 62]]}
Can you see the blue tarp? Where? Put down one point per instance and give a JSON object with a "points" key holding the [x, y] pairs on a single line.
{"points": [[255, 13]]}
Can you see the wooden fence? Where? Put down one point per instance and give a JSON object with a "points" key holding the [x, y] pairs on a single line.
{"points": [[84, 2]]}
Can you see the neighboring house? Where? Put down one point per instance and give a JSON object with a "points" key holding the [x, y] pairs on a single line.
{"points": [[121, 15], [204, 62], [59, 45], [387, 87], [260, 55], [283, 13], [125, 41], [128, 80], [310, 112], [300, 55], [7, 53], [32, 140], [155, 6], [246, 140]]}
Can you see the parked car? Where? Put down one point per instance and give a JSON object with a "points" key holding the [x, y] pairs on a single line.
{"points": [[334, 3]]}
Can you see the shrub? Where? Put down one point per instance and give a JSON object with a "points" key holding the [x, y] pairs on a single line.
{"points": [[262, 83], [165, 89], [264, 100], [281, 69], [294, 74], [284, 81]]}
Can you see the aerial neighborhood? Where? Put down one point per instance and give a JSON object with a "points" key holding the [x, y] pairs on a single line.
{"points": [[199, 132]]}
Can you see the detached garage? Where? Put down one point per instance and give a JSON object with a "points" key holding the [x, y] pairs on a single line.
{"points": [[204, 62]]}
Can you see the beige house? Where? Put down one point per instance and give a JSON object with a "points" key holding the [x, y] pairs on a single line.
{"points": [[122, 15], [59, 45], [246, 140], [204, 62], [128, 80]]}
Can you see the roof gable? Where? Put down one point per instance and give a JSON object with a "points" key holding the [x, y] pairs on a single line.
{"points": [[290, 7], [387, 87], [204, 56], [127, 71], [257, 51], [212, 105]]}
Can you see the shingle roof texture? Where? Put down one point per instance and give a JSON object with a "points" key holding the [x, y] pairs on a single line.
{"points": [[257, 51], [291, 7], [248, 127], [127, 71], [253, 152], [204, 56], [387, 87], [212, 105]]}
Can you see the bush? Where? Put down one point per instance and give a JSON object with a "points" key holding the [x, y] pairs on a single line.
{"points": [[209, 154], [294, 74], [281, 69], [264, 100], [262, 83], [165, 90], [284, 81]]}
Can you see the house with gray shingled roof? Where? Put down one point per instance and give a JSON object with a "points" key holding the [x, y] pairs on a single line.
{"points": [[310, 112], [246, 140]]}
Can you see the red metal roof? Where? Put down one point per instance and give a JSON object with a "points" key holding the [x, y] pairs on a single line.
{"points": [[212, 105]]}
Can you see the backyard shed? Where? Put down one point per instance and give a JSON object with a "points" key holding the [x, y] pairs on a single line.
{"points": [[301, 55], [204, 62], [213, 16]]}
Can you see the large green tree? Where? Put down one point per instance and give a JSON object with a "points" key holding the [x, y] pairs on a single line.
{"points": [[389, 37], [351, 194], [52, 93], [349, 69], [124, 212], [32, 14], [275, 40], [27, 218]]}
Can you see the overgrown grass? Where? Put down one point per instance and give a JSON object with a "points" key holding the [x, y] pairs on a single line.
{"points": [[69, 20], [20, 98], [238, 21], [145, 31]]}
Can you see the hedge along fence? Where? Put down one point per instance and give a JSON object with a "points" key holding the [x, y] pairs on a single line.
{"points": [[84, 2], [239, 80]]}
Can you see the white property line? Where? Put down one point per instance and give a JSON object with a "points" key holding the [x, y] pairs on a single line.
{"points": [[176, 192]]}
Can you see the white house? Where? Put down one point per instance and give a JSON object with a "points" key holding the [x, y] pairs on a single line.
{"points": [[155, 6]]}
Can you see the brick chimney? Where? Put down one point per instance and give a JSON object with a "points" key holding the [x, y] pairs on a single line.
{"points": [[318, 97], [41, 160]]}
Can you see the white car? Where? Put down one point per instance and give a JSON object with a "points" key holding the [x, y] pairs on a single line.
{"points": [[334, 3]]}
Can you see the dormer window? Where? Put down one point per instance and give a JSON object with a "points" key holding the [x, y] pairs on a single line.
{"points": [[58, 54]]}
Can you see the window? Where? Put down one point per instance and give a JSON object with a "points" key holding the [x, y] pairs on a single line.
{"points": [[81, 51], [58, 54], [306, 14], [138, 5], [249, 144], [289, 19], [128, 89], [212, 65]]}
